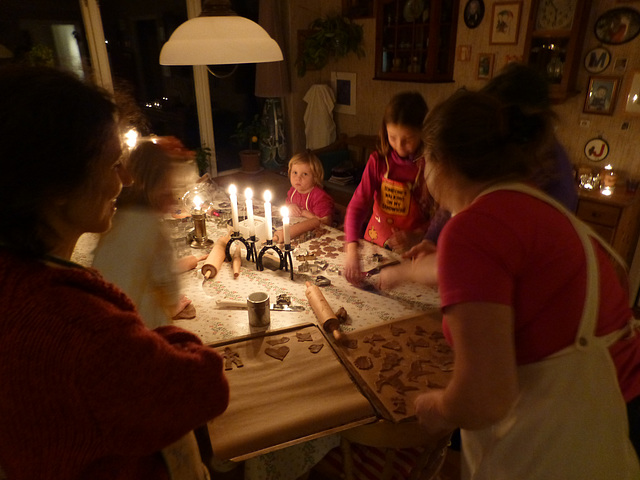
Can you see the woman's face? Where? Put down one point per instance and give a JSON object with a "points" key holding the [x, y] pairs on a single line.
{"points": [[91, 207]]}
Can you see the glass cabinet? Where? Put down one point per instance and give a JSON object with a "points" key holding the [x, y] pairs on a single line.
{"points": [[554, 38], [416, 40]]}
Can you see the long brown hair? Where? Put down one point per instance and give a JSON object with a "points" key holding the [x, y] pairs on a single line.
{"points": [[407, 109]]}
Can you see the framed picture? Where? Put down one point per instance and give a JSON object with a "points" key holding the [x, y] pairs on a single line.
{"points": [[464, 53], [596, 149], [473, 13], [597, 60], [601, 95], [485, 66], [617, 26], [620, 65], [633, 95], [505, 23], [344, 86]]}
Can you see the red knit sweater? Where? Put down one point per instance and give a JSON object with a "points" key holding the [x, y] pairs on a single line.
{"points": [[86, 390]]}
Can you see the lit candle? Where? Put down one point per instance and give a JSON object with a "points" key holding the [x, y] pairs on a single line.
{"points": [[248, 195], [234, 206], [284, 211], [197, 204], [267, 213]]}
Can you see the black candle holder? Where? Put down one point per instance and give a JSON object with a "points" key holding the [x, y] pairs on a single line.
{"points": [[250, 246], [288, 260], [270, 246]]}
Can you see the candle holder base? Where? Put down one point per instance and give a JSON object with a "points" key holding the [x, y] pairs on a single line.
{"points": [[203, 243], [288, 259], [236, 237], [269, 246]]}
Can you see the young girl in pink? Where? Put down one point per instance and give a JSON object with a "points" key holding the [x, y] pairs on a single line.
{"points": [[391, 186], [306, 198]]}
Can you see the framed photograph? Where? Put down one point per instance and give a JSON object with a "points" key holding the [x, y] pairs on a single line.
{"points": [[473, 13], [620, 65], [485, 66], [505, 23], [633, 95], [464, 53], [344, 86], [601, 95], [617, 26], [596, 149], [597, 60]]}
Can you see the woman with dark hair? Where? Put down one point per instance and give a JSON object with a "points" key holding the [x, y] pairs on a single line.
{"points": [[88, 391], [531, 304]]}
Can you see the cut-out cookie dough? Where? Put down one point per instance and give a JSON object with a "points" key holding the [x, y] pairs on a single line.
{"points": [[231, 358], [363, 363], [278, 353], [304, 336], [393, 345], [316, 347]]}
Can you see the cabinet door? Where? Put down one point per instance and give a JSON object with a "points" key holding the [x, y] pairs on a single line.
{"points": [[416, 40], [555, 34]]}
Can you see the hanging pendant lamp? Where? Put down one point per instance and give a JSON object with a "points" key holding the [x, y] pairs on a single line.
{"points": [[218, 36]]}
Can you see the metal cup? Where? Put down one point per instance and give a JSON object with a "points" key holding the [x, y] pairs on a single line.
{"points": [[259, 309]]}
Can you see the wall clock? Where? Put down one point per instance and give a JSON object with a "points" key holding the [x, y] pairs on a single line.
{"points": [[596, 149], [555, 14]]}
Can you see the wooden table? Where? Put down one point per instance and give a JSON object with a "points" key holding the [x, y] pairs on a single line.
{"points": [[214, 325]]}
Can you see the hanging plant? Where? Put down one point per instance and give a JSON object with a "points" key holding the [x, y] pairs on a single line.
{"points": [[331, 36]]}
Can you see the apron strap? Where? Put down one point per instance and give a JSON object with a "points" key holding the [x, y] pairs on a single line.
{"points": [[588, 321]]}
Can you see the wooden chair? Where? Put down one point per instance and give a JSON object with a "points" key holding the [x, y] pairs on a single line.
{"points": [[389, 438]]}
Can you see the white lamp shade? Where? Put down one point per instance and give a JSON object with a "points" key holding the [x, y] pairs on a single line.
{"points": [[219, 40]]}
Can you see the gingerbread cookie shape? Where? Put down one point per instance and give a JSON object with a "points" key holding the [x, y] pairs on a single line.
{"points": [[278, 353]]}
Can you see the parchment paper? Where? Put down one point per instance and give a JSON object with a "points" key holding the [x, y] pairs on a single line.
{"points": [[274, 402]]}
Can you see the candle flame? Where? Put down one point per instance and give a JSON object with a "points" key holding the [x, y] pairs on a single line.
{"points": [[284, 211], [232, 189], [197, 202], [248, 193], [131, 138], [267, 196]]}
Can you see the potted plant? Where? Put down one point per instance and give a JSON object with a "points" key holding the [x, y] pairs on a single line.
{"points": [[250, 134], [333, 35]]}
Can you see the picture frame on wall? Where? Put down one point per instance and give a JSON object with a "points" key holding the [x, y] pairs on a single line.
{"points": [[632, 104], [344, 86], [601, 95], [473, 13], [485, 66], [505, 23]]}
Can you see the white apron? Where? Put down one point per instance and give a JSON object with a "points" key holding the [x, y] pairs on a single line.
{"points": [[569, 421]]}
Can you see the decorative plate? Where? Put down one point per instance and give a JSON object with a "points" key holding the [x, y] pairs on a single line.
{"points": [[596, 149], [413, 10], [473, 13], [617, 26]]}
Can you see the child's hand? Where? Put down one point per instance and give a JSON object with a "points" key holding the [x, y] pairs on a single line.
{"points": [[426, 247], [391, 277], [295, 210], [352, 268]]}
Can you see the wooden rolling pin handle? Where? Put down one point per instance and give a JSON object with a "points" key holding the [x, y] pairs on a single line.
{"points": [[323, 311], [215, 259]]}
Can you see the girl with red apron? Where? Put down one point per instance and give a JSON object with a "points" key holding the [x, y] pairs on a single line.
{"points": [[394, 209]]}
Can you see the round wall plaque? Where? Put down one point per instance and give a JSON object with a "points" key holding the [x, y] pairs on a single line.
{"points": [[596, 149]]}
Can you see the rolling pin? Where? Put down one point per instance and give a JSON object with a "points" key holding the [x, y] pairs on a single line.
{"points": [[214, 261], [323, 311], [297, 229], [236, 261]]}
